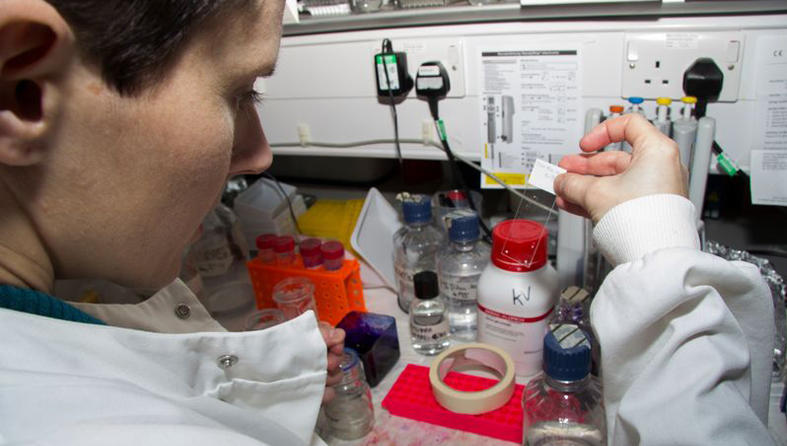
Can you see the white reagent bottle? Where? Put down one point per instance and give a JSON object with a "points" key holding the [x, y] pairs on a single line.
{"points": [[516, 294]]}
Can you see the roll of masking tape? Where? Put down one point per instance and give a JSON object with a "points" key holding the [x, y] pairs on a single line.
{"points": [[475, 356]]}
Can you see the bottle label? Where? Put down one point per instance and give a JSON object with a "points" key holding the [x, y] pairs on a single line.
{"points": [[520, 337], [212, 256], [463, 290], [429, 333]]}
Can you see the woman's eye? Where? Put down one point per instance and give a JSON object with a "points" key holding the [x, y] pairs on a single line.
{"points": [[252, 97]]}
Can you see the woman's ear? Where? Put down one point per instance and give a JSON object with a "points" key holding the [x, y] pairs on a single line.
{"points": [[36, 46]]}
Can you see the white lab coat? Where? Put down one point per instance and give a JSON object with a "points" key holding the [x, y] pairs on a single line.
{"points": [[686, 337], [66, 383]]}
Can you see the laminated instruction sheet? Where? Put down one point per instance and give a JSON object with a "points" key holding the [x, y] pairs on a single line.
{"points": [[530, 109], [768, 160]]}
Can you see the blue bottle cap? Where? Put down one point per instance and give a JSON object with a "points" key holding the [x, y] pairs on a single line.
{"points": [[417, 209], [566, 353], [462, 225], [636, 100]]}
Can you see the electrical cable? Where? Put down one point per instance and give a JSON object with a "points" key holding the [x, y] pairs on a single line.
{"points": [[388, 48], [286, 197], [433, 109], [728, 165], [371, 142]]}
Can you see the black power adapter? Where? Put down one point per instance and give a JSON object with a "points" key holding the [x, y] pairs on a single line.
{"points": [[393, 79]]}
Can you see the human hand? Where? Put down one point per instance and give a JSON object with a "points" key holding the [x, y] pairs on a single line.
{"points": [[597, 182], [334, 340]]}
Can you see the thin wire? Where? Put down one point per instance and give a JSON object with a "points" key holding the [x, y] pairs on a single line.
{"points": [[372, 142], [389, 48], [458, 173], [286, 197]]}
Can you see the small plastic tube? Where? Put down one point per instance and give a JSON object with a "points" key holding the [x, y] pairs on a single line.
{"points": [[662, 115], [333, 255], [311, 253], [688, 106], [614, 112], [264, 244], [635, 102], [284, 249]]}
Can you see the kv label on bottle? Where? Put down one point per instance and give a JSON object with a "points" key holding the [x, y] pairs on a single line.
{"points": [[519, 296]]}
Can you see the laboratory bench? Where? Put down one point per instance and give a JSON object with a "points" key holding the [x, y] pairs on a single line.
{"points": [[391, 430]]}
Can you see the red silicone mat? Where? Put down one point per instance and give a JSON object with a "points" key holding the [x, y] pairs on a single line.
{"points": [[411, 397]]}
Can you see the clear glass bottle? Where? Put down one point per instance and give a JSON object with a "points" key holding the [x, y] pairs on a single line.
{"points": [[428, 318], [459, 266], [284, 249], [350, 414], [564, 405], [415, 246], [264, 244], [333, 255], [310, 253]]}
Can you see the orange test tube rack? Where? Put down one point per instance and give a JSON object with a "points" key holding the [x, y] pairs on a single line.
{"points": [[336, 293]]}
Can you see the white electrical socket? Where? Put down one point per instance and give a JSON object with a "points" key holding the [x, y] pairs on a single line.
{"points": [[654, 63]]}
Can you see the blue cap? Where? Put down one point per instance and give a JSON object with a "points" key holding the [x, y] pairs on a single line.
{"points": [[462, 225], [636, 100], [417, 209], [566, 353]]}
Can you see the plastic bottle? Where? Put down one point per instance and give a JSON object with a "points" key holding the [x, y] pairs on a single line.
{"points": [[663, 115], [350, 414], [415, 246], [428, 319], [564, 406], [311, 253], [264, 244], [459, 265], [614, 112], [333, 255], [517, 293]]}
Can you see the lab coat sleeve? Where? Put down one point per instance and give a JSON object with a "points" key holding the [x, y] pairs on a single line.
{"points": [[686, 337]]}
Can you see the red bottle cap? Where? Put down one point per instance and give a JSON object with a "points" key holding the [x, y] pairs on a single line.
{"points": [[332, 250], [519, 245], [616, 108], [455, 195], [282, 244], [265, 241], [310, 247]]}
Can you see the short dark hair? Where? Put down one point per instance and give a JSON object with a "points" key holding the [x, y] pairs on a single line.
{"points": [[134, 42]]}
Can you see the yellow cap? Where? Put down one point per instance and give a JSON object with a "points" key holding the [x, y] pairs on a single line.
{"points": [[689, 100], [663, 101]]}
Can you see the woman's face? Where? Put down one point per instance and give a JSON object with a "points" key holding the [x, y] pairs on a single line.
{"points": [[128, 180]]}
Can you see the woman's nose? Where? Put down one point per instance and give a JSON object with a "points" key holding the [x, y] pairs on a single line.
{"points": [[251, 152]]}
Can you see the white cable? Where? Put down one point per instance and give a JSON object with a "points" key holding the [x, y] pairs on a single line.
{"points": [[418, 141]]}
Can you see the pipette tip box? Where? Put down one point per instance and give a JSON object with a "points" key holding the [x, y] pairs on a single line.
{"points": [[411, 397]]}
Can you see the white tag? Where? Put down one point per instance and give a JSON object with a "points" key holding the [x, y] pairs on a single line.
{"points": [[543, 175]]}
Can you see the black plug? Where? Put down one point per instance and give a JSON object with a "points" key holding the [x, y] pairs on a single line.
{"points": [[432, 84], [703, 80]]}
